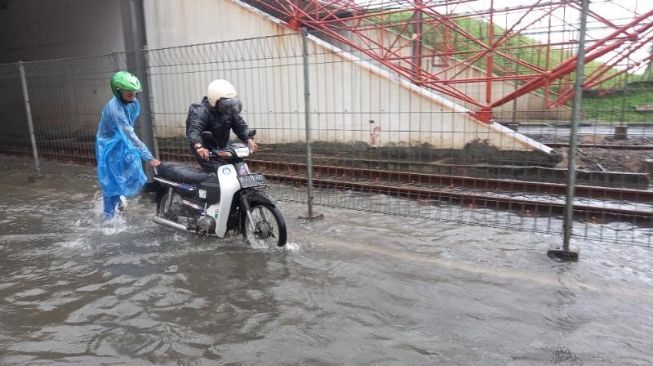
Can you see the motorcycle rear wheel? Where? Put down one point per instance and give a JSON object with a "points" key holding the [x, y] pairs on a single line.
{"points": [[161, 201], [267, 229]]}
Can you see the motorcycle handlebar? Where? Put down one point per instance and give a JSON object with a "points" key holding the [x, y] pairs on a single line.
{"points": [[229, 152], [216, 153]]}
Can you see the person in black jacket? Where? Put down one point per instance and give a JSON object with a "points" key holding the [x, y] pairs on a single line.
{"points": [[218, 113]]}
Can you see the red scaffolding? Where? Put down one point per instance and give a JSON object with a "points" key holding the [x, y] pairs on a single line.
{"points": [[445, 44]]}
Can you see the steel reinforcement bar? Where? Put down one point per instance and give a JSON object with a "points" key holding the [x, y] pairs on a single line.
{"points": [[475, 200], [594, 192]]}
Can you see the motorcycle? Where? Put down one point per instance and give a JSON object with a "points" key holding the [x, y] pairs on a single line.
{"points": [[232, 198]]}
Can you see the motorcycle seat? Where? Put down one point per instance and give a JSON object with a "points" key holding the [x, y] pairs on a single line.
{"points": [[181, 173]]}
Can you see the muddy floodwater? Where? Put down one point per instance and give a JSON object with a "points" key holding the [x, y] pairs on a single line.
{"points": [[355, 288]]}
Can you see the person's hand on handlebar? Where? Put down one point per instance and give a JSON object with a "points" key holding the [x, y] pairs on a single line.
{"points": [[203, 153], [253, 146], [224, 154]]}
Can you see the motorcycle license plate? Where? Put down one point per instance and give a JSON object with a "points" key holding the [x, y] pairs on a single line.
{"points": [[251, 180]]}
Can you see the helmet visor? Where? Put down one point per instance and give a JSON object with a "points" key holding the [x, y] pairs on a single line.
{"points": [[230, 106]]}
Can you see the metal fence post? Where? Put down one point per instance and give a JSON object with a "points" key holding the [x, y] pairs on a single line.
{"points": [[565, 253], [28, 112], [150, 129], [136, 45], [307, 116], [514, 102], [621, 131]]}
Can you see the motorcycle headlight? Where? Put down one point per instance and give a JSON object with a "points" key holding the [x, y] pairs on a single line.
{"points": [[242, 152]]}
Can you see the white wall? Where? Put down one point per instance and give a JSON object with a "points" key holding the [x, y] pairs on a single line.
{"points": [[183, 22]]}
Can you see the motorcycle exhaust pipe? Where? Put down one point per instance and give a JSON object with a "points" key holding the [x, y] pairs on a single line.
{"points": [[172, 224]]}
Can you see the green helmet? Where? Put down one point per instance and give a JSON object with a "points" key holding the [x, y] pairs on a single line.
{"points": [[122, 80]]}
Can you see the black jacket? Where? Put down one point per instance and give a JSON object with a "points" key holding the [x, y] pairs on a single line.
{"points": [[203, 117]]}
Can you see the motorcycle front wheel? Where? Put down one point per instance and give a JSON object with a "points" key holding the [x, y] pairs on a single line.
{"points": [[267, 227]]}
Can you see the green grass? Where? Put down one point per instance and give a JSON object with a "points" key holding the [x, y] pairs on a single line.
{"points": [[619, 107]]}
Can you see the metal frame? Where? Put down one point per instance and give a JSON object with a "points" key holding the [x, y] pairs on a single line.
{"points": [[350, 24]]}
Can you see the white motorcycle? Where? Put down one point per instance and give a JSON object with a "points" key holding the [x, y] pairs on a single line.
{"points": [[232, 198]]}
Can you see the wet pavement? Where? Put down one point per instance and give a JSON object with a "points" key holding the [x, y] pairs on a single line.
{"points": [[355, 288]]}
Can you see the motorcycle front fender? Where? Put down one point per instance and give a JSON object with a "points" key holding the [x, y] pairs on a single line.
{"points": [[247, 198], [259, 197]]}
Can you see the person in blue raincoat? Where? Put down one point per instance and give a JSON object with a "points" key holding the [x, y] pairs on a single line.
{"points": [[117, 148]]}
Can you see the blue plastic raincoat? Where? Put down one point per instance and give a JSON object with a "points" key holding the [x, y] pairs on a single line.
{"points": [[119, 151]]}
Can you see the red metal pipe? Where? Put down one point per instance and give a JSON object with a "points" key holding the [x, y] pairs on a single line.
{"points": [[568, 66]]}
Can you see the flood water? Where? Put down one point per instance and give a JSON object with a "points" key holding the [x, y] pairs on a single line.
{"points": [[352, 289]]}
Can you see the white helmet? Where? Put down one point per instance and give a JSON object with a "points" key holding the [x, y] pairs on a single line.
{"points": [[223, 97], [219, 89]]}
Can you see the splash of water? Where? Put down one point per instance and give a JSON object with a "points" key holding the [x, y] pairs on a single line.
{"points": [[292, 247]]}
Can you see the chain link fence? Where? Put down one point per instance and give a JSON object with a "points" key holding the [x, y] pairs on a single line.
{"points": [[379, 142]]}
